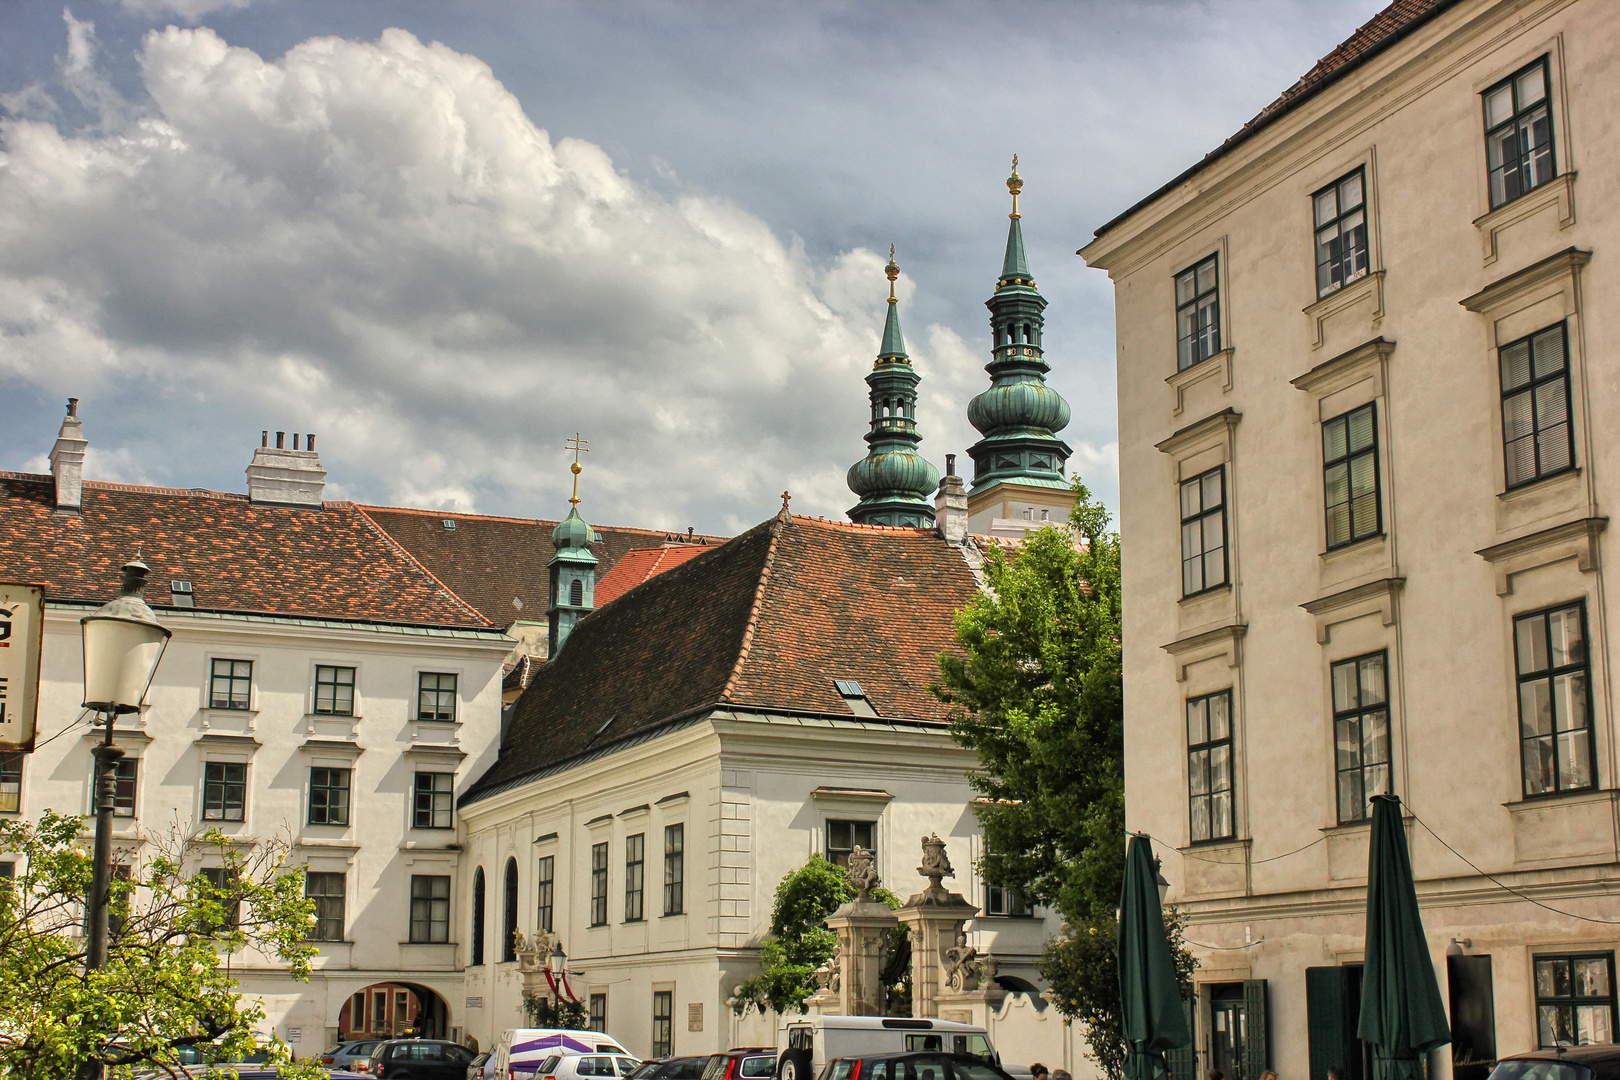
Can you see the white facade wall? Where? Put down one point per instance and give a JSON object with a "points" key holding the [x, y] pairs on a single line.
{"points": [[280, 738], [744, 786]]}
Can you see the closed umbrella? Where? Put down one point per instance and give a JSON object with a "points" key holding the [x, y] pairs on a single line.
{"points": [[1149, 996], [1402, 1016]]}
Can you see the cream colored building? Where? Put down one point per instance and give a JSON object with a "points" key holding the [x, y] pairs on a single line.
{"points": [[1343, 575]]}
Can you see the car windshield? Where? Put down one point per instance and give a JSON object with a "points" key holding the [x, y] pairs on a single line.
{"points": [[1538, 1070], [758, 1066]]}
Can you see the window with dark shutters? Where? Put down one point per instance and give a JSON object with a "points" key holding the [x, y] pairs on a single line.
{"points": [[1183, 1062], [1324, 1019], [1257, 1039]]}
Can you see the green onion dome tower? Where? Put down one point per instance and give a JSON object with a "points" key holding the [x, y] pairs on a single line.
{"points": [[1019, 416], [573, 567], [896, 484]]}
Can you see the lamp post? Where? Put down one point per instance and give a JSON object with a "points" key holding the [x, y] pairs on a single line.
{"points": [[123, 643]]}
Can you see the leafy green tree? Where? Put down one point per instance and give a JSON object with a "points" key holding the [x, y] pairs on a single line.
{"points": [[165, 990], [1039, 696], [544, 1012], [799, 941]]}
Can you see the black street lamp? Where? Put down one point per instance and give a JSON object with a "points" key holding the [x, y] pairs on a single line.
{"points": [[123, 643]]}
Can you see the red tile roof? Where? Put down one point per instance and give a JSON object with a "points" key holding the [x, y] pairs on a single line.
{"points": [[640, 564], [330, 563], [1378, 33], [766, 621], [492, 561]]}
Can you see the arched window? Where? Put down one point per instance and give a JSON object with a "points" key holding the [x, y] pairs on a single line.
{"points": [[478, 918], [576, 593], [509, 923], [1028, 338]]}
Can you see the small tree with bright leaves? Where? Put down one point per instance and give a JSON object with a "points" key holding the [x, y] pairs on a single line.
{"points": [[165, 993]]}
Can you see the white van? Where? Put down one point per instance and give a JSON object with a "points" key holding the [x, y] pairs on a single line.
{"points": [[809, 1042], [520, 1051]]}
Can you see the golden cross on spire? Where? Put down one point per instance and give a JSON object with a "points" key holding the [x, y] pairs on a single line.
{"points": [[893, 271], [578, 446], [1015, 184]]}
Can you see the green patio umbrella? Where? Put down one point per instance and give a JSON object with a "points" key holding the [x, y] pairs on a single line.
{"points": [[1402, 1015], [1149, 996]]}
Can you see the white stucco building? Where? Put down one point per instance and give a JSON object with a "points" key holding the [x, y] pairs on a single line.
{"points": [[1366, 353]]}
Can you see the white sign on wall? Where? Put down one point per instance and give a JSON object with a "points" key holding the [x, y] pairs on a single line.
{"points": [[22, 629]]}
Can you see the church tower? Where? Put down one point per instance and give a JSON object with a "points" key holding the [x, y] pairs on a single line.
{"points": [[1018, 467], [896, 484], [573, 567]]}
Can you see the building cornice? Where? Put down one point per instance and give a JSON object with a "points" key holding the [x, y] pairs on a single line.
{"points": [[182, 620], [1329, 370], [1197, 430], [1506, 289]]}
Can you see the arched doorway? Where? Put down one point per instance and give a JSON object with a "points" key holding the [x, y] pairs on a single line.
{"points": [[394, 1010]]}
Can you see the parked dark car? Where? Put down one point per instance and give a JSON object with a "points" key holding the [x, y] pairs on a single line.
{"points": [[924, 1066], [740, 1062], [670, 1068], [1568, 1063], [419, 1059]]}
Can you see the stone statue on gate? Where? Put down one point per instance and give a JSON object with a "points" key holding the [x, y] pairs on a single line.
{"points": [[962, 965], [862, 874], [936, 865]]}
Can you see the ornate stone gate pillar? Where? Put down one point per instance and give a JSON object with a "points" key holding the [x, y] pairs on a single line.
{"points": [[943, 964], [852, 981]]}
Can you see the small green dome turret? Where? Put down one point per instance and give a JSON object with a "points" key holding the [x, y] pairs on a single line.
{"points": [[572, 532], [894, 481]]}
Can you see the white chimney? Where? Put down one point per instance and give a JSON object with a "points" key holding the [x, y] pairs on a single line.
{"points": [[950, 505], [286, 477], [67, 459]]}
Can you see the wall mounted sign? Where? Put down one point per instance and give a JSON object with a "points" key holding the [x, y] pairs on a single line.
{"points": [[22, 630]]}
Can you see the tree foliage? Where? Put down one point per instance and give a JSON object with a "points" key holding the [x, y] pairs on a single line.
{"points": [[166, 988], [544, 1012], [1082, 968], [1039, 695], [799, 941]]}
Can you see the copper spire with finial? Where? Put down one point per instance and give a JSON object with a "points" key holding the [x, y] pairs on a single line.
{"points": [[1015, 184], [893, 271]]}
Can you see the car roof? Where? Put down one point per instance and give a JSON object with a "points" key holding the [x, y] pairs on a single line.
{"points": [[1603, 1060], [885, 1023], [910, 1054]]}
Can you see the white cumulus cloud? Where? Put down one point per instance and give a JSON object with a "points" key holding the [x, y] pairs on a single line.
{"points": [[372, 241]]}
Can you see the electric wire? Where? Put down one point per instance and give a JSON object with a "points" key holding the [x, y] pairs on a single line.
{"points": [[64, 731]]}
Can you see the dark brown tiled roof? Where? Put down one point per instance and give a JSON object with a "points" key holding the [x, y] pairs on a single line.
{"points": [[239, 556], [489, 561], [639, 565], [1384, 29], [766, 621]]}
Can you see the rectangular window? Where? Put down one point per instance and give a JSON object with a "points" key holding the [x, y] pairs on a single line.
{"points": [[547, 880], [430, 908], [1203, 532], [328, 796], [843, 837], [435, 696], [124, 773], [11, 769], [222, 886], [1536, 436], [327, 890], [334, 690], [431, 808], [1518, 134], [635, 875], [674, 869], [1005, 902], [230, 684], [1209, 766], [599, 883], [663, 1028], [599, 1012], [224, 790], [1350, 477], [1361, 733], [1575, 999], [1340, 211], [1555, 707], [1198, 314]]}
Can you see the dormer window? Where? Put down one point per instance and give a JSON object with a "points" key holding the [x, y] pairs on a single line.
{"points": [[448, 523], [180, 594], [854, 697]]}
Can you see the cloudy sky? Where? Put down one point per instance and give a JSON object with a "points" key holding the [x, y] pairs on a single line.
{"points": [[445, 235]]}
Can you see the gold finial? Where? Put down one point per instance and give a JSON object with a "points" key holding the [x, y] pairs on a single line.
{"points": [[893, 270], [578, 446], [1015, 184]]}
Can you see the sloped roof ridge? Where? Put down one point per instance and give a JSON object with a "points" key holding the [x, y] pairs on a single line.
{"points": [[103, 485], [414, 561], [1392, 23], [775, 525], [467, 515], [856, 526]]}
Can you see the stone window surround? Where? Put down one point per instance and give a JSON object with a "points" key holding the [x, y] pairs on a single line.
{"points": [[358, 710], [1348, 381], [1194, 450], [1318, 309], [1182, 258], [205, 686], [1224, 646], [1530, 299], [1561, 190]]}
